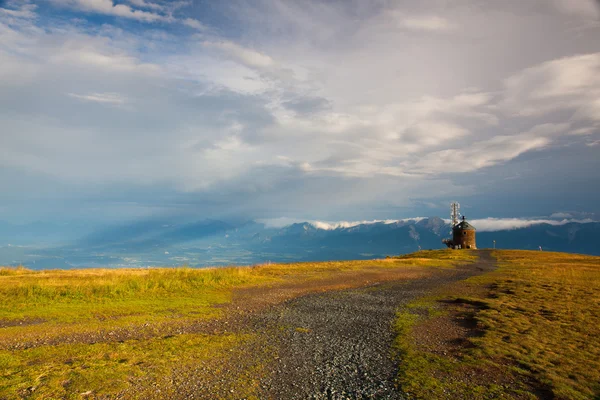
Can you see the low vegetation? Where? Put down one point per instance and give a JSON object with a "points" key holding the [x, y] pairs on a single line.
{"points": [[530, 329], [96, 331], [439, 258]]}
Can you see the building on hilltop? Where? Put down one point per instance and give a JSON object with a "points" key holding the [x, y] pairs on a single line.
{"points": [[463, 233]]}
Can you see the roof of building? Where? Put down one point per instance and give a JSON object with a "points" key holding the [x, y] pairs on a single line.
{"points": [[465, 226]]}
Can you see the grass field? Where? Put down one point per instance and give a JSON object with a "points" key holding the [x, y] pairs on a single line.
{"points": [[537, 332], [535, 325], [64, 333]]}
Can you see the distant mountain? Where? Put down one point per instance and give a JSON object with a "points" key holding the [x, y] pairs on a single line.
{"points": [[214, 242], [379, 239], [308, 242], [571, 238], [356, 242]]}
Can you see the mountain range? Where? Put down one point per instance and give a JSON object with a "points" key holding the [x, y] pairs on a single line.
{"points": [[214, 242]]}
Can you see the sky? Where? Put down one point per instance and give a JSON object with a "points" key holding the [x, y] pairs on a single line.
{"points": [[302, 110]]}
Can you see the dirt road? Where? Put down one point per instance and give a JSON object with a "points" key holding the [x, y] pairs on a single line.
{"points": [[337, 345], [333, 344]]}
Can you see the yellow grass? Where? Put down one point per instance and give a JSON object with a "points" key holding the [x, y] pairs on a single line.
{"points": [[546, 317], [541, 321], [55, 313]]}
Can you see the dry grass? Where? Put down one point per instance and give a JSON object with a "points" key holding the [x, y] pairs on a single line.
{"points": [[540, 313], [545, 317], [134, 317]]}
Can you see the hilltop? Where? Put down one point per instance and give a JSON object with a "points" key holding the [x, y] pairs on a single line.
{"points": [[460, 324]]}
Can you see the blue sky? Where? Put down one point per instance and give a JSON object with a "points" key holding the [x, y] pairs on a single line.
{"points": [[313, 110]]}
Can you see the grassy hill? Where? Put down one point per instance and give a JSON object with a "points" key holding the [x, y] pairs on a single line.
{"points": [[97, 332], [63, 333], [530, 329]]}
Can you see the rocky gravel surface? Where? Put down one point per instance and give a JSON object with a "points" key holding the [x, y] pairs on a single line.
{"points": [[338, 345]]}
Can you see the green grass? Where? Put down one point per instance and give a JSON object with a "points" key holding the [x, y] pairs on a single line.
{"points": [[55, 312], [67, 370], [100, 294], [541, 321], [440, 258], [72, 296]]}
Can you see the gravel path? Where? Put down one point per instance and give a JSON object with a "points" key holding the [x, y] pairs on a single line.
{"points": [[332, 344], [337, 345]]}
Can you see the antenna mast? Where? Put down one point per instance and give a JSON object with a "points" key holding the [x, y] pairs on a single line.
{"points": [[454, 212]]}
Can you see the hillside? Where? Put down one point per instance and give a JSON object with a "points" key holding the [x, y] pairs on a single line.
{"points": [[526, 330], [525, 323]]}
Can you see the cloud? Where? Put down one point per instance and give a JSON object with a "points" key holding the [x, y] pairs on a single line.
{"points": [[349, 224], [584, 131], [589, 9], [429, 133], [487, 153], [198, 139], [286, 103], [561, 215], [248, 57], [97, 54], [108, 7], [158, 12], [569, 83], [194, 23], [331, 225], [147, 4], [266, 68], [104, 98], [482, 225], [307, 105], [19, 9], [503, 224], [430, 23]]}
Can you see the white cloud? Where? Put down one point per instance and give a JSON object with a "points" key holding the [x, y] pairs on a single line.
{"points": [[561, 215], [328, 226], [108, 7], [97, 54], [428, 133], [569, 83], [248, 57], [503, 224], [264, 67], [492, 151], [585, 131], [430, 23], [194, 23], [105, 98], [147, 4], [331, 225], [482, 225]]}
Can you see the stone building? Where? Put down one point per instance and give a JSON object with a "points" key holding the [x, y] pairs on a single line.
{"points": [[463, 236]]}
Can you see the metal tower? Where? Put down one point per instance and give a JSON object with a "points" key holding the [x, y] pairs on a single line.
{"points": [[455, 213]]}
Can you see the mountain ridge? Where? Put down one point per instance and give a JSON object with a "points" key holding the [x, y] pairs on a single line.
{"points": [[214, 242]]}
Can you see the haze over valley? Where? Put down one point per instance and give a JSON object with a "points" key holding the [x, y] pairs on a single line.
{"points": [[162, 242]]}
